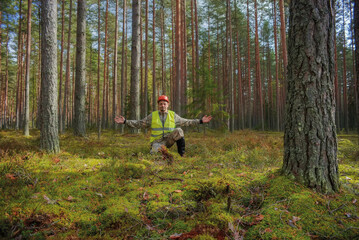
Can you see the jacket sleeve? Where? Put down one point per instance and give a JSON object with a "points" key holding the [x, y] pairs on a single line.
{"points": [[183, 122], [143, 123]]}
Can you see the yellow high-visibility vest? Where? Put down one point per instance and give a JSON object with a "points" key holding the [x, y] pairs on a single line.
{"points": [[157, 129]]}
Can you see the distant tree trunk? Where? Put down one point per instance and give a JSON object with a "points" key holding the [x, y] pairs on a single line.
{"points": [[284, 44], [163, 87], [193, 49], [19, 48], [49, 139], [98, 70], [123, 65], [336, 86], [90, 111], [345, 96], [230, 66], [276, 66], [104, 109], [184, 58], [5, 125], [146, 63], [114, 87], [135, 62], [27, 79], [61, 62], [310, 141], [178, 58], [356, 34], [354, 62], [80, 84], [249, 110], [65, 109], [258, 71], [38, 114], [154, 94], [197, 41]]}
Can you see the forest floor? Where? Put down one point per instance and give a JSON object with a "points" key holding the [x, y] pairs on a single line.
{"points": [[227, 187]]}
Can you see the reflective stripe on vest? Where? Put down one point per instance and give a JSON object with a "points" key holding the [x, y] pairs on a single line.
{"points": [[159, 130]]}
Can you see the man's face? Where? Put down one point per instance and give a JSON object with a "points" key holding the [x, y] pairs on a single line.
{"points": [[162, 106]]}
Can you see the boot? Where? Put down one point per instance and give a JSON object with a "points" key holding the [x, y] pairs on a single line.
{"points": [[181, 146]]}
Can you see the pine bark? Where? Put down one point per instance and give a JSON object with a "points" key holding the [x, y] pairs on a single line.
{"points": [[154, 93], [49, 140], [61, 62], [123, 64], [356, 37], [258, 73], [19, 48], [27, 79], [146, 63], [135, 62], [310, 141], [345, 95], [178, 54], [68, 72], [249, 100], [80, 82], [98, 70], [115, 61], [104, 89]]}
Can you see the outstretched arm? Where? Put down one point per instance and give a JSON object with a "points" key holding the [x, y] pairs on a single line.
{"points": [[181, 122], [143, 123]]}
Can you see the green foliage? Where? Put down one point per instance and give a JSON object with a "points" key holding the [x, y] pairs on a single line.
{"points": [[115, 189]]}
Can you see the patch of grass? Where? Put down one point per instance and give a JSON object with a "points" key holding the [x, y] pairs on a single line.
{"points": [[227, 186]]}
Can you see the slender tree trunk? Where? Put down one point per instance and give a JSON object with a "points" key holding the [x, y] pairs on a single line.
{"points": [[230, 66], [184, 58], [123, 65], [104, 110], [197, 42], [284, 45], [154, 94], [354, 61], [135, 62], [249, 111], [65, 109], [146, 63], [90, 111], [356, 34], [98, 70], [114, 87], [276, 66], [18, 93], [5, 125], [80, 84], [27, 79], [38, 114], [310, 141], [162, 51], [345, 97], [61, 62], [194, 83], [49, 139], [336, 86], [258, 71], [178, 54]]}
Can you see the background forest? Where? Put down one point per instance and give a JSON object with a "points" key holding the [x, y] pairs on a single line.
{"points": [[232, 55]]}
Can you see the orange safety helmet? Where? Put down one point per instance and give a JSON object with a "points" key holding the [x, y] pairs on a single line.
{"points": [[163, 98]]}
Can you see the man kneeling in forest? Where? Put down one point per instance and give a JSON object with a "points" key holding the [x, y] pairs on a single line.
{"points": [[163, 125]]}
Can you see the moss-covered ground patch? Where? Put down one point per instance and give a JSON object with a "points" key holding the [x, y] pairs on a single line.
{"points": [[227, 186]]}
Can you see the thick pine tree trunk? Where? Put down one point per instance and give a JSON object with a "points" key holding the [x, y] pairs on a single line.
{"points": [[259, 97], [49, 139], [135, 63], [80, 83], [310, 141]]}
